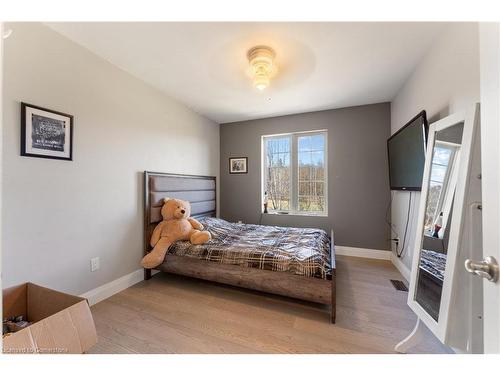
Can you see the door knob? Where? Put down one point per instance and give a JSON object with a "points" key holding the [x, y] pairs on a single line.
{"points": [[487, 268]]}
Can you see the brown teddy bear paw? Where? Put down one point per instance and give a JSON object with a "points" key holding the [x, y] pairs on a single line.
{"points": [[201, 237], [150, 261]]}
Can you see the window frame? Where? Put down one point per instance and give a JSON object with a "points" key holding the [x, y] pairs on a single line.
{"points": [[294, 173], [264, 169], [445, 196]]}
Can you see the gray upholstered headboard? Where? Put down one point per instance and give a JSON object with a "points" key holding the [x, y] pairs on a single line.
{"points": [[199, 190]]}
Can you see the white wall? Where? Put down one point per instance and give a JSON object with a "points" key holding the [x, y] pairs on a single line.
{"points": [[445, 81], [58, 214]]}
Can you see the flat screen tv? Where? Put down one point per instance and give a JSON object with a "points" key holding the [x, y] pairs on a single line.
{"points": [[406, 150]]}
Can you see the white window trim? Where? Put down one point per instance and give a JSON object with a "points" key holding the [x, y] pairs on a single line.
{"points": [[294, 176], [446, 199]]}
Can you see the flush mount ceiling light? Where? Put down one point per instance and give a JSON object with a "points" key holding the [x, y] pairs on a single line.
{"points": [[262, 67]]}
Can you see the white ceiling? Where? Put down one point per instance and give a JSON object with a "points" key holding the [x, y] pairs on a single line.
{"points": [[321, 65]]}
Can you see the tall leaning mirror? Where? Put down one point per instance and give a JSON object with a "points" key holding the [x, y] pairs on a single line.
{"points": [[439, 286], [435, 237]]}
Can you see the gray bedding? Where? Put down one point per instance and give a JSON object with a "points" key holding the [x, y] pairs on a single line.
{"points": [[301, 251], [433, 263]]}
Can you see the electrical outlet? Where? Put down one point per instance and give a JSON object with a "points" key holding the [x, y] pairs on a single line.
{"points": [[94, 264], [396, 242]]}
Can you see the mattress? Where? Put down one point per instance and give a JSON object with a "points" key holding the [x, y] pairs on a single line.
{"points": [[433, 263], [300, 251]]}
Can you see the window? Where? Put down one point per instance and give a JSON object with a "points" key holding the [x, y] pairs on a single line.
{"points": [[294, 177], [442, 164]]}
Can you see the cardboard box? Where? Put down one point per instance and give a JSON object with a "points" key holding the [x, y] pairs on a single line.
{"points": [[61, 323]]}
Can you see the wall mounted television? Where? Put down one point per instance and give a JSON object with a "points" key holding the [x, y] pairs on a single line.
{"points": [[406, 151]]}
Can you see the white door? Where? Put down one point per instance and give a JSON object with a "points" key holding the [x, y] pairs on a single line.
{"points": [[490, 159], [1, 142]]}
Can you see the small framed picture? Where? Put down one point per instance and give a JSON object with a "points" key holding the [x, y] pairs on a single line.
{"points": [[46, 133], [238, 165]]}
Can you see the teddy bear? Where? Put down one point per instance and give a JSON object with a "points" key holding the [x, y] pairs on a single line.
{"points": [[176, 225]]}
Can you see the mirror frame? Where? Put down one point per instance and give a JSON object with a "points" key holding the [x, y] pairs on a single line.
{"points": [[469, 119]]}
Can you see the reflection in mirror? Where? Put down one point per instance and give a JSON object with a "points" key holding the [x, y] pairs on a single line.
{"points": [[438, 213]]}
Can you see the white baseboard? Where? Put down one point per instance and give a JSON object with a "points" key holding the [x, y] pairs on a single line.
{"points": [[107, 290], [403, 270], [362, 253]]}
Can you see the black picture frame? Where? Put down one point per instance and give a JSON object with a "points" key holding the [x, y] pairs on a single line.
{"points": [[231, 165], [45, 153]]}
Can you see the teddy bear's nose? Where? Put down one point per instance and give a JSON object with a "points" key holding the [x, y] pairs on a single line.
{"points": [[183, 211]]}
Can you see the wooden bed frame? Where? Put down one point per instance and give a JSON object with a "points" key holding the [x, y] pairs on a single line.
{"points": [[201, 192]]}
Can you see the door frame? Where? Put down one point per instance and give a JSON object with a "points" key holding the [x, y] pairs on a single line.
{"points": [[489, 52]]}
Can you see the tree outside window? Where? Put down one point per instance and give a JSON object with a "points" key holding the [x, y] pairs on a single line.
{"points": [[295, 174]]}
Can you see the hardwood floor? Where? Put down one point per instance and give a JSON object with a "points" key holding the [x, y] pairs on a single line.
{"points": [[174, 314]]}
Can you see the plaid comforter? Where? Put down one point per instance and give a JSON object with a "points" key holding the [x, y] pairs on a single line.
{"points": [[301, 251], [433, 262]]}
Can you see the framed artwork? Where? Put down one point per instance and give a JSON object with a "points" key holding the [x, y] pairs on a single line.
{"points": [[46, 133], [238, 165]]}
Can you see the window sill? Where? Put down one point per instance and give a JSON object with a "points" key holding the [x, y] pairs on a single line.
{"points": [[296, 214]]}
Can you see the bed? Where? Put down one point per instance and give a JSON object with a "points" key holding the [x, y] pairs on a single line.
{"points": [[430, 281], [433, 263], [292, 262]]}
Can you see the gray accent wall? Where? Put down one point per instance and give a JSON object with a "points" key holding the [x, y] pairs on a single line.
{"points": [[358, 182]]}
